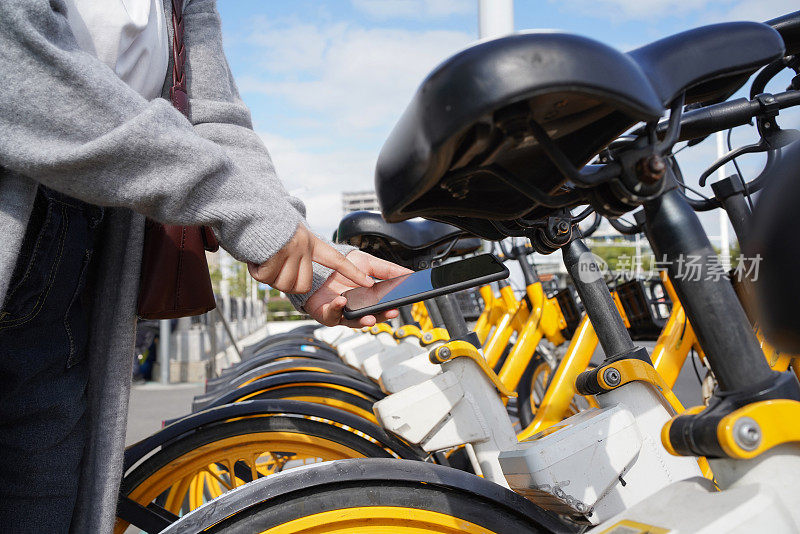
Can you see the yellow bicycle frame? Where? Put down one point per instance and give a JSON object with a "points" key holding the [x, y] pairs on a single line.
{"points": [[561, 389], [512, 320], [420, 314], [493, 310], [544, 320], [672, 348]]}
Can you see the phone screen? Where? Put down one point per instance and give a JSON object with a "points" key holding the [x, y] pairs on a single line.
{"points": [[427, 283]]}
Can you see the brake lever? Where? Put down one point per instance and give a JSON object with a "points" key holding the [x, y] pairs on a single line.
{"points": [[755, 148], [594, 226], [625, 229], [772, 139]]}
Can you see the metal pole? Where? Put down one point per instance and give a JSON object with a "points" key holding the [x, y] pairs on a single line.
{"points": [[724, 239], [225, 268], [211, 325], [638, 259], [230, 334], [405, 315], [163, 350], [253, 303], [433, 312], [451, 315], [495, 18]]}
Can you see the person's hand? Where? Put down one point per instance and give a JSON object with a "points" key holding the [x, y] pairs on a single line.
{"points": [[326, 304], [290, 270]]}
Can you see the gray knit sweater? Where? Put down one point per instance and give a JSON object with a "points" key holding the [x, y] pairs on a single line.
{"points": [[68, 122]]}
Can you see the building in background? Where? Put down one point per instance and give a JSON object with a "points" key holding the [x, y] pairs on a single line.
{"points": [[359, 200]]}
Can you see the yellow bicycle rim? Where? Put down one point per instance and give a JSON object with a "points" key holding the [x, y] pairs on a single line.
{"points": [[205, 471]]}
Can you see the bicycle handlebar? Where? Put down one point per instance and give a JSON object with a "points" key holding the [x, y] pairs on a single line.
{"points": [[718, 117]]}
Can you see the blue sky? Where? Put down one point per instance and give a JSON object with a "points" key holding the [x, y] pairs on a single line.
{"points": [[327, 79]]}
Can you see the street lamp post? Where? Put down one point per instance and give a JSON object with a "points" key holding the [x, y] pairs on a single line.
{"points": [[495, 18]]}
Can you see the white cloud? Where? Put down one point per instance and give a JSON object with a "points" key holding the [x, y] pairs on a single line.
{"points": [[708, 10], [760, 10], [357, 78], [342, 87], [319, 176], [289, 48], [414, 9], [635, 9]]}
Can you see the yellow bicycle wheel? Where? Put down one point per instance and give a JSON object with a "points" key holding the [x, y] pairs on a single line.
{"points": [[373, 496], [532, 390], [218, 458]]}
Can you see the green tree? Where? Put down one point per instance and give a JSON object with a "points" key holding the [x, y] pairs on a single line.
{"points": [[216, 278], [238, 280], [621, 258]]}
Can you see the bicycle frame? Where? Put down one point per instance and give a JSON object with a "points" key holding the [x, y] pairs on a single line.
{"points": [[561, 390], [493, 310], [512, 320], [544, 320]]}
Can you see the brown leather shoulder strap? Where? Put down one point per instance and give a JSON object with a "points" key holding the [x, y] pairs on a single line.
{"points": [[177, 93]]}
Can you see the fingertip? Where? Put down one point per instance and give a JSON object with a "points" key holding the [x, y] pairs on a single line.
{"points": [[391, 314], [368, 320]]}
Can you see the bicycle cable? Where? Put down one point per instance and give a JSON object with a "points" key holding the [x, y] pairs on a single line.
{"points": [[739, 172], [694, 366], [679, 178]]}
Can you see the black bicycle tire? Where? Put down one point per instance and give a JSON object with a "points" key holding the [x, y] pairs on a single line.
{"points": [[422, 485], [388, 493], [238, 380], [316, 391], [524, 392]]}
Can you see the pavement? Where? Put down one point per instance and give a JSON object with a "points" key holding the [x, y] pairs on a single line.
{"points": [[687, 387], [153, 402]]}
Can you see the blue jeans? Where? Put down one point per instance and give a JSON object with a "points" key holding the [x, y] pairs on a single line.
{"points": [[44, 330]]}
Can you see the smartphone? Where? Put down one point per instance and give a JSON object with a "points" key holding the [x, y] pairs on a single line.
{"points": [[428, 283]]}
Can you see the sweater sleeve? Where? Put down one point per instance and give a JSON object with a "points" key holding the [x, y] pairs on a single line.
{"points": [[218, 113], [70, 123], [216, 110]]}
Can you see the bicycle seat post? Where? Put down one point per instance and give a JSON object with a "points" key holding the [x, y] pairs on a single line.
{"points": [[451, 317], [600, 307], [626, 402], [405, 315], [434, 313], [724, 331]]}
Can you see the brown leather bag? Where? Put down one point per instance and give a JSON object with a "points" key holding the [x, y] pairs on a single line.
{"points": [[175, 281]]}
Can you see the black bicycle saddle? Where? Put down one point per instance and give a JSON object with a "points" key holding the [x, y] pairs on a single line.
{"points": [[789, 27], [407, 243], [466, 135]]}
